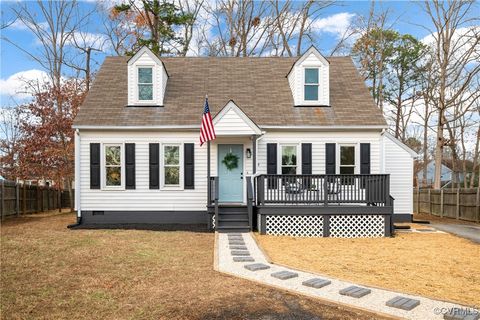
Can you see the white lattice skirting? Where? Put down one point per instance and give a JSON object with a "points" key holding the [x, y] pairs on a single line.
{"points": [[357, 226], [295, 226], [213, 222]]}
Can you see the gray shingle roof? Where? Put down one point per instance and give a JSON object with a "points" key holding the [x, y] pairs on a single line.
{"points": [[257, 85]]}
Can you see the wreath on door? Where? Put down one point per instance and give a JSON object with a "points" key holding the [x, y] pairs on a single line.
{"points": [[230, 161]]}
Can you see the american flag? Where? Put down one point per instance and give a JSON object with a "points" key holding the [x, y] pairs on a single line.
{"points": [[207, 132]]}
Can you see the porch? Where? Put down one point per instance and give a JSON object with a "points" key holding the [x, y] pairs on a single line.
{"points": [[308, 205]]}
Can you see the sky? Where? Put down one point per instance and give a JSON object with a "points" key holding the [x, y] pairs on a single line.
{"points": [[16, 65]]}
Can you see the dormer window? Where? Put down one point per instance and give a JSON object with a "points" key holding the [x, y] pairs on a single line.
{"points": [[311, 84], [147, 79], [145, 83], [309, 80]]}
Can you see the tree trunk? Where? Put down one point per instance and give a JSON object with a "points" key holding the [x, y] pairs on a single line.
{"points": [[439, 152], [70, 194], [475, 159]]}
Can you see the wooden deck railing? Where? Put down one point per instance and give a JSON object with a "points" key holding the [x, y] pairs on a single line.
{"points": [[325, 190]]}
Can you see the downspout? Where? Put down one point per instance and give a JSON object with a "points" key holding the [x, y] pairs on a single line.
{"points": [[77, 181], [262, 135]]}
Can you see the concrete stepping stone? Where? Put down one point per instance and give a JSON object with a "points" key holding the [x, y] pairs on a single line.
{"points": [[236, 243], [461, 314], [284, 275], [243, 259], [235, 238], [256, 267], [234, 234], [316, 283], [234, 247], [240, 253], [403, 303], [355, 292]]}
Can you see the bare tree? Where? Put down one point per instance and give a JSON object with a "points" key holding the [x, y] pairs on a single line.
{"points": [[10, 134], [53, 24], [455, 45]]}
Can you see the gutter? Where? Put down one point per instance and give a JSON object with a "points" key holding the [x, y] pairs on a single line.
{"points": [[77, 181]]}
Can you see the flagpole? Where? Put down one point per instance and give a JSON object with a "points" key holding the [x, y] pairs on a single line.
{"points": [[208, 154]]}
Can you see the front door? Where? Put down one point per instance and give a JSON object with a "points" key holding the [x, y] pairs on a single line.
{"points": [[230, 172]]}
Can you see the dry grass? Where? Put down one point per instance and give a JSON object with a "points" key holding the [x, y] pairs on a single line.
{"points": [[440, 266], [51, 272]]}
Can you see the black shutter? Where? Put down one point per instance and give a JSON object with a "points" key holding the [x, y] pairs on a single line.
{"points": [[154, 161], [272, 164], [307, 163], [129, 165], [94, 165], [364, 158], [188, 166], [306, 158], [330, 158]]}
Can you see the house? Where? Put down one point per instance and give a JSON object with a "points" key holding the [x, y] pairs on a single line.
{"points": [[447, 174], [301, 148]]}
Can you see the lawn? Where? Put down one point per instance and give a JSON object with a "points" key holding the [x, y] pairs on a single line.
{"points": [[49, 271], [440, 266]]}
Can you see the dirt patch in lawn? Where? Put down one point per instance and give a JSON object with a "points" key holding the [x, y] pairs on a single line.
{"points": [[432, 218], [49, 271], [438, 265]]}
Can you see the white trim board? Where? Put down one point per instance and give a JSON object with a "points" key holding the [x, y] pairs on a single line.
{"points": [[240, 118], [400, 144]]}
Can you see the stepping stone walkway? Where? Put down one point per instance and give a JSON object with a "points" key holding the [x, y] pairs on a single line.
{"points": [[355, 292], [403, 303], [316, 283], [284, 275], [256, 267]]}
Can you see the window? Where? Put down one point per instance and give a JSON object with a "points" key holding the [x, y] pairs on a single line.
{"points": [[171, 165], [311, 84], [145, 84], [289, 159], [347, 160], [113, 165]]}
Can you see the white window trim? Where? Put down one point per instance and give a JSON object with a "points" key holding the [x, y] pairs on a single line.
{"points": [[180, 186], [357, 157], [154, 85], [311, 102], [279, 156], [104, 171]]}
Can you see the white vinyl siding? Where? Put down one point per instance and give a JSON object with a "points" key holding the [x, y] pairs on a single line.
{"points": [[142, 198], [399, 164], [318, 141], [232, 124]]}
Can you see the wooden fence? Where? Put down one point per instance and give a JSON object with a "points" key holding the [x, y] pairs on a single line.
{"points": [[17, 199], [462, 204]]}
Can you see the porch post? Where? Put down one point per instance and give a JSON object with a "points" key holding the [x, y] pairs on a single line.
{"points": [[254, 147]]}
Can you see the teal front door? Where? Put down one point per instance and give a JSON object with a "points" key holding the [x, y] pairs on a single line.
{"points": [[230, 176]]}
